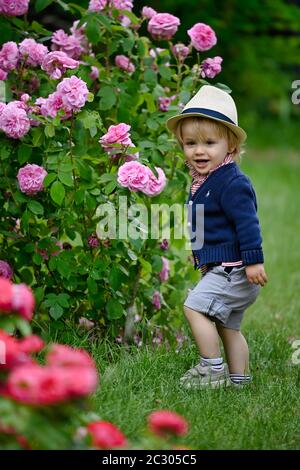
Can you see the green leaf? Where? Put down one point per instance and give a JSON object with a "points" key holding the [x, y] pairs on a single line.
{"points": [[108, 98], [66, 179], [157, 263], [110, 187], [49, 130], [24, 153], [42, 4], [35, 207], [106, 177], [165, 72], [57, 192], [49, 179], [115, 278], [150, 77], [84, 170], [23, 326], [147, 268], [92, 30], [37, 136], [63, 300], [92, 286], [56, 311], [114, 309], [37, 259]]}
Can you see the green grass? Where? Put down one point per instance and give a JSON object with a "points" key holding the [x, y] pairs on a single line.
{"points": [[264, 416]]}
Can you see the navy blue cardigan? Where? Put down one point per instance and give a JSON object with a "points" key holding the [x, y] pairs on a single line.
{"points": [[231, 226]]}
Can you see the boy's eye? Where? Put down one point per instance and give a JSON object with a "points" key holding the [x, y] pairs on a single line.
{"points": [[210, 142]]}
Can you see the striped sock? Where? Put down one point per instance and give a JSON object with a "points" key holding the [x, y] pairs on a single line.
{"points": [[240, 379], [216, 363]]}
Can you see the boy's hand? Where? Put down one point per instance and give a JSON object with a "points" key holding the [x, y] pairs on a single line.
{"points": [[256, 274]]}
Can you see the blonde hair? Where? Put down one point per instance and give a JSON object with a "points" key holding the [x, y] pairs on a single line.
{"points": [[203, 126]]}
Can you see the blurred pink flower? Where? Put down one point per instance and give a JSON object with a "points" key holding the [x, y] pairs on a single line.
{"points": [[93, 241], [31, 178], [23, 300], [163, 26], [164, 273], [211, 67], [3, 75], [94, 73], [202, 37], [32, 52], [5, 270], [15, 351], [106, 435], [133, 175], [180, 51], [9, 56], [86, 323], [155, 185], [156, 300], [61, 355], [148, 12], [165, 422], [121, 4], [57, 62], [37, 385], [97, 5], [31, 344], [74, 93], [14, 7], [165, 101], [164, 244], [124, 63], [14, 121]]}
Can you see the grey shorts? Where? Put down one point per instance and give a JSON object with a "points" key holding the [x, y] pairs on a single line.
{"points": [[222, 296]]}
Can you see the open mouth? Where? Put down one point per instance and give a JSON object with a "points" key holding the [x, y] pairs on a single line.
{"points": [[201, 161]]}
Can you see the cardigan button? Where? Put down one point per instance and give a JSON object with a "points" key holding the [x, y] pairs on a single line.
{"points": [[229, 279]]}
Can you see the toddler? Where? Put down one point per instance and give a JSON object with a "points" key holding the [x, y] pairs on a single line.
{"points": [[230, 256]]}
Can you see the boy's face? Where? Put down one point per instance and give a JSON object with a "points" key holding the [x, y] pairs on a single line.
{"points": [[203, 155]]}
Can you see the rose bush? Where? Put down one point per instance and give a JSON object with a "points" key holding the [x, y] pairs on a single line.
{"points": [[83, 124]]}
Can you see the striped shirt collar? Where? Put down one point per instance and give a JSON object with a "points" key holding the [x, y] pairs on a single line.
{"points": [[198, 179]]}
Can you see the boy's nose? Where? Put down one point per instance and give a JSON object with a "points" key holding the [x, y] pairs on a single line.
{"points": [[199, 149]]}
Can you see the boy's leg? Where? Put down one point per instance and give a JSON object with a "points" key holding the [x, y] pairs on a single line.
{"points": [[204, 332], [236, 350]]}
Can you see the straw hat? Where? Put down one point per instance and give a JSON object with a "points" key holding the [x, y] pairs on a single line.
{"points": [[213, 103]]}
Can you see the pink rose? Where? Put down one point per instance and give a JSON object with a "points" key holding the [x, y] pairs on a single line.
{"points": [[165, 422], [31, 178], [14, 7], [148, 12], [37, 385], [64, 356], [23, 301], [5, 270], [122, 4], [73, 45], [202, 37], [14, 120], [180, 51], [211, 67], [124, 63], [32, 52], [116, 134], [74, 93], [9, 56], [3, 75], [165, 101], [97, 5], [57, 62], [155, 185], [51, 105], [106, 435], [156, 300], [163, 26], [164, 273], [94, 73], [134, 176]]}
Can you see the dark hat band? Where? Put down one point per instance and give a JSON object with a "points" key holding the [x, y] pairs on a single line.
{"points": [[210, 113]]}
